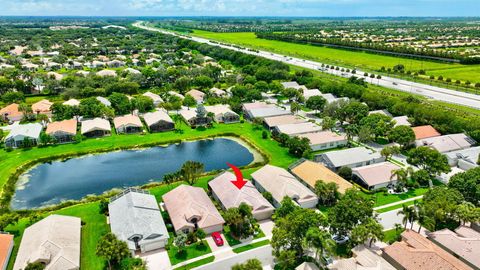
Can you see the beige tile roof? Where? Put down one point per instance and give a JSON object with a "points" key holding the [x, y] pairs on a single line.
{"points": [[282, 120], [323, 137], [230, 196], [43, 106], [299, 128], [67, 126], [310, 172], [11, 110], [127, 120], [416, 252], [95, 124], [422, 132], [72, 102], [447, 143], [196, 94], [464, 242], [55, 239], [363, 259], [153, 96], [152, 118], [256, 105], [6, 243], [186, 202], [107, 72], [307, 266], [376, 174], [280, 183]]}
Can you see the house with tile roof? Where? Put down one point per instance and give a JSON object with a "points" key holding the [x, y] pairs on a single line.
{"points": [[447, 143], [197, 95], [42, 107], [352, 157], [325, 140], [127, 124], [223, 114], [63, 131], [423, 132], [297, 129], [272, 122], [225, 192], [375, 176], [95, 127], [194, 211], [155, 98], [19, 133], [135, 218], [158, 121], [6, 247], [362, 259], [11, 113], [280, 183], [53, 241]]}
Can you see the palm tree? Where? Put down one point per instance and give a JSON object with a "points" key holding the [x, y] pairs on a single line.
{"points": [[407, 214], [319, 240]]}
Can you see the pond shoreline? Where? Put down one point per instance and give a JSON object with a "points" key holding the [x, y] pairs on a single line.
{"points": [[259, 158]]}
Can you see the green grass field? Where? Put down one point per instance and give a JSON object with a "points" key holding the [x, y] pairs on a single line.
{"points": [[346, 58]]}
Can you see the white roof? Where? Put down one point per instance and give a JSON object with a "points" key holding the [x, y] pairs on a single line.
{"points": [[401, 121], [132, 71], [311, 93], [290, 85], [323, 137], [107, 72], [55, 239], [219, 109], [188, 114], [31, 130], [298, 128], [363, 259], [136, 212], [375, 174], [230, 196], [350, 156], [104, 101], [152, 118], [267, 112], [280, 183], [95, 124], [156, 98], [469, 155], [447, 143], [71, 102]]}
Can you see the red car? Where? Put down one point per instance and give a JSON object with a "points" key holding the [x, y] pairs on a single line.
{"points": [[217, 238]]}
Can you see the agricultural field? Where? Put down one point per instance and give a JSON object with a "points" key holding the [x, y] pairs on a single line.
{"points": [[362, 60]]}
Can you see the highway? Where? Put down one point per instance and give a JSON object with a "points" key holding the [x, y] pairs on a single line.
{"points": [[428, 91]]}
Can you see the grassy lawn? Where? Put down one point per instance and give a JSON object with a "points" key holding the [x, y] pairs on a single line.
{"points": [[190, 252], [345, 58], [398, 206], [392, 235], [251, 246], [232, 241], [382, 198], [197, 263]]}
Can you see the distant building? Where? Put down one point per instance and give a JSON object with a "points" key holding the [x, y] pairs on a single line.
{"points": [[53, 241], [107, 73], [155, 98], [128, 124], [230, 196], [375, 176], [63, 131], [192, 118], [71, 102], [42, 107], [416, 252], [271, 122], [401, 121], [135, 218], [352, 157], [382, 112], [197, 95], [464, 159], [97, 127], [19, 133], [308, 93], [6, 247], [104, 101], [262, 110], [158, 121], [447, 143], [325, 140], [463, 243], [194, 211], [310, 172], [423, 132], [223, 114], [280, 183], [11, 113]]}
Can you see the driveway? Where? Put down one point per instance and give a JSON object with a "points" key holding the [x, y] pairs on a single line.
{"points": [[267, 226], [220, 252], [157, 260], [264, 254]]}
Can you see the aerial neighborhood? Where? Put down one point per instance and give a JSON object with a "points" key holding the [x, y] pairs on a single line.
{"points": [[128, 148]]}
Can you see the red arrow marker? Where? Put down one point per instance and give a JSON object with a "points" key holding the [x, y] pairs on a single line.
{"points": [[239, 182]]}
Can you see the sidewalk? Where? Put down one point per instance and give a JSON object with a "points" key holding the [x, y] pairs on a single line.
{"points": [[399, 202]]}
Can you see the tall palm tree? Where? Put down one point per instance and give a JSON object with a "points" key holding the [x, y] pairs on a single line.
{"points": [[407, 214], [319, 240]]}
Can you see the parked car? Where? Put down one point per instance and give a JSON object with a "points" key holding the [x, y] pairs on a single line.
{"points": [[217, 238], [340, 239]]}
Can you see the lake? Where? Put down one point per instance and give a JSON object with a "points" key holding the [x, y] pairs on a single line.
{"points": [[53, 182]]}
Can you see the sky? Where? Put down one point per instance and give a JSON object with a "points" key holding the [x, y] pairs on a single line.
{"points": [[310, 8]]}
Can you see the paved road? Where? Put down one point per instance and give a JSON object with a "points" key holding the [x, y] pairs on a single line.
{"points": [[431, 92], [264, 254]]}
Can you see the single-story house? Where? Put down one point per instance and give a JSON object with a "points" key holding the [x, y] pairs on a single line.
{"points": [[362, 259], [190, 116], [230, 196], [415, 251], [71, 102], [261, 109], [158, 121], [53, 241], [218, 92], [127, 124], [352, 157], [401, 121], [106, 73], [375, 176], [197, 95], [55, 75], [297, 129], [271, 122], [115, 63], [292, 84], [308, 93], [325, 140], [447, 143], [193, 211], [173, 93], [445, 177], [62, 131], [11, 113], [280, 183], [156, 98], [423, 132], [42, 107], [382, 112], [331, 98], [465, 159], [6, 247], [132, 71], [135, 218], [19, 133], [463, 243], [223, 113], [310, 172], [95, 127], [104, 101]]}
